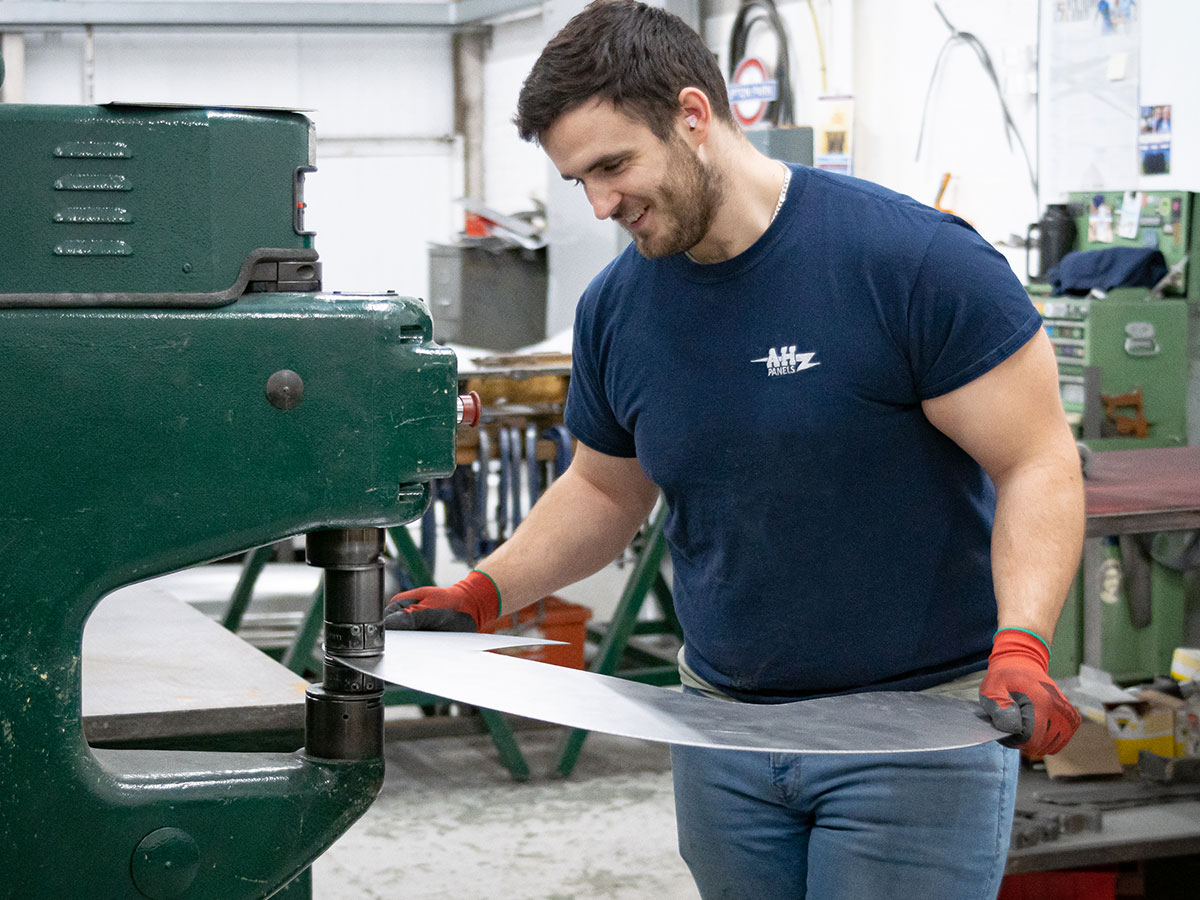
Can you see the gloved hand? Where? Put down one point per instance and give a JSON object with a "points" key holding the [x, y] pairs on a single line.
{"points": [[1019, 696], [466, 606]]}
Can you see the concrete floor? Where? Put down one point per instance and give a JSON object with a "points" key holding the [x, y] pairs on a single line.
{"points": [[451, 824]]}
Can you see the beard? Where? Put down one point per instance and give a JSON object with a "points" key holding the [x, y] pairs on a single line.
{"points": [[686, 202]]}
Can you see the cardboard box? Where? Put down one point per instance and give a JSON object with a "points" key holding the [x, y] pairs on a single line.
{"points": [[1091, 751], [1186, 731], [1135, 721], [1094, 693], [1144, 725], [1185, 664]]}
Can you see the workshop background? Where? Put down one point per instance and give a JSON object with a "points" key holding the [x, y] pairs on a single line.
{"points": [[994, 111], [411, 120]]}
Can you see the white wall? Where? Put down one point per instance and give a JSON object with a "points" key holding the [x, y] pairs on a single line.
{"points": [[896, 49], [883, 53], [389, 171], [1169, 29]]}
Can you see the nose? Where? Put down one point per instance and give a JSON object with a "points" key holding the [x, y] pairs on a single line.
{"points": [[604, 200]]}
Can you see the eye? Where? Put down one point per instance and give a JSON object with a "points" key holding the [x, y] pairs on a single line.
{"points": [[613, 167]]}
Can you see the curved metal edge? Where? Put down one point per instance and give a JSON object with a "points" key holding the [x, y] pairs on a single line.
{"points": [[165, 300], [437, 643]]}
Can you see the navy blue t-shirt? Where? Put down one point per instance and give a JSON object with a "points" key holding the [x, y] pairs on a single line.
{"points": [[825, 536]]}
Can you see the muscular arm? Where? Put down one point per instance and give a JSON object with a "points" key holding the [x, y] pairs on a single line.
{"points": [[1011, 421], [586, 518]]}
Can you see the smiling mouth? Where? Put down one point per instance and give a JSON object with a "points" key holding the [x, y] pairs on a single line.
{"points": [[631, 221]]}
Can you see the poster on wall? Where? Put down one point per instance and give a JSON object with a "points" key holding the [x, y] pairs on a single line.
{"points": [[1154, 139], [832, 150], [1091, 91]]}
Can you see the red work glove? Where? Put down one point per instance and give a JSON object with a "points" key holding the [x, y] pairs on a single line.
{"points": [[465, 606], [1019, 696]]}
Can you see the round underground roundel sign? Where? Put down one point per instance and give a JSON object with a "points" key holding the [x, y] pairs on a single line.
{"points": [[751, 91]]}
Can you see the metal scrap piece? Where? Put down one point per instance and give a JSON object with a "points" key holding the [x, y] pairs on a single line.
{"points": [[1034, 824], [451, 665], [1117, 794]]}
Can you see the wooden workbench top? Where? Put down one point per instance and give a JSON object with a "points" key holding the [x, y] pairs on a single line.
{"points": [[1134, 491]]}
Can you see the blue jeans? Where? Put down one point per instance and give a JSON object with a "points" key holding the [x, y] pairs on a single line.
{"points": [[769, 826]]}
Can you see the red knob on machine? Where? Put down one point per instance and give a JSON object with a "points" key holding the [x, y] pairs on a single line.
{"points": [[469, 408]]}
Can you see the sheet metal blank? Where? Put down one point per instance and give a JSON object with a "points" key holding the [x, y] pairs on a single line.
{"points": [[452, 665]]}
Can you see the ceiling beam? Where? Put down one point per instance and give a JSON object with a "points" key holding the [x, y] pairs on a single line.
{"points": [[71, 15]]}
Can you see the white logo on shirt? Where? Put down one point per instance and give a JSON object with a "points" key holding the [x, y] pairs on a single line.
{"points": [[786, 361]]}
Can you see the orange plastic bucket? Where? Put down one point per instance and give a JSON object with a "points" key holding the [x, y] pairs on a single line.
{"points": [[551, 618]]}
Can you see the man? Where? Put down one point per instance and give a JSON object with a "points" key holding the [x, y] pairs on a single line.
{"points": [[851, 409]]}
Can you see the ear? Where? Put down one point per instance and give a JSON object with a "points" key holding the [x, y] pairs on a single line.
{"points": [[695, 115]]}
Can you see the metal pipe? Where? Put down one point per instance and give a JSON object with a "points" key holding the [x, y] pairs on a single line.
{"points": [[469, 50], [89, 65]]}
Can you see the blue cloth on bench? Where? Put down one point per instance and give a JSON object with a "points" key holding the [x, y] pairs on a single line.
{"points": [[1081, 270]]}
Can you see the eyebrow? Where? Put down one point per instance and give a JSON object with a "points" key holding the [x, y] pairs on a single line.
{"points": [[606, 160]]}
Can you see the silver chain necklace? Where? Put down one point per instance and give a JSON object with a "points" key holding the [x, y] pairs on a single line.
{"points": [[787, 179]]}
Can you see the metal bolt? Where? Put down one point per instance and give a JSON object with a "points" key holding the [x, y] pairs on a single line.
{"points": [[165, 863], [285, 389]]}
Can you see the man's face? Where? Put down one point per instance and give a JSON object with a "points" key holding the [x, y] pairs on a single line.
{"points": [[661, 193]]}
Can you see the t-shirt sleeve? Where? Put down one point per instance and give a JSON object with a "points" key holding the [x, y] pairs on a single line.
{"points": [[589, 414], [968, 312]]}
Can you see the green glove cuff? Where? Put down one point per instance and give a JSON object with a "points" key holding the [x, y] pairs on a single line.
{"points": [[496, 588], [1009, 628]]}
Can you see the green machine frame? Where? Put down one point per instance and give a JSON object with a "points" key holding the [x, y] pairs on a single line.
{"points": [[1130, 346], [179, 390]]}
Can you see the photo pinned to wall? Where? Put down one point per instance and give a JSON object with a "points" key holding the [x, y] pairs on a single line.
{"points": [[833, 149], [1100, 221], [1130, 216], [1113, 16], [1154, 139]]}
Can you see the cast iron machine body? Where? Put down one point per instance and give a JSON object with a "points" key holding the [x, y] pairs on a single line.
{"points": [[177, 390]]}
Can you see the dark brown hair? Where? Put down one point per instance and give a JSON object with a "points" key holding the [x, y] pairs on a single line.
{"points": [[636, 56]]}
